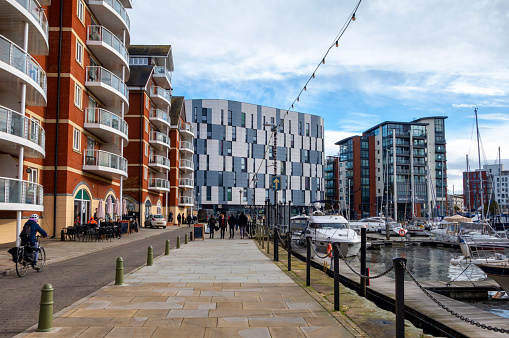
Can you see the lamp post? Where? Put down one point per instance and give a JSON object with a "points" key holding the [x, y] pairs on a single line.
{"points": [[274, 152]]}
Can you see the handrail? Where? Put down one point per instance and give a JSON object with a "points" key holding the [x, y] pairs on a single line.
{"points": [[161, 160], [37, 12], [14, 56], [186, 163], [186, 200], [186, 126], [106, 118], [100, 74], [13, 190], [101, 158], [100, 33], [159, 183], [186, 181], [156, 90], [120, 9], [159, 114], [186, 145], [16, 124], [160, 137]]}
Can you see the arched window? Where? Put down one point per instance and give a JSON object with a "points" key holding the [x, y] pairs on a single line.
{"points": [[159, 208], [148, 208], [81, 207]]}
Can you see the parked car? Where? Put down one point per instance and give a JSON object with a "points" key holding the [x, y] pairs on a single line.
{"points": [[155, 221]]}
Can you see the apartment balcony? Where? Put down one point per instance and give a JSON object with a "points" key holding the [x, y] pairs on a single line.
{"points": [[107, 87], [13, 15], [186, 165], [127, 3], [108, 49], [159, 163], [186, 183], [159, 118], [162, 77], [17, 68], [109, 127], [18, 131], [113, 15], [186, 147], [105, 164], [186, 128], [159, 141], [159, 184], [161, 97], [20, 195], [186, 201]]}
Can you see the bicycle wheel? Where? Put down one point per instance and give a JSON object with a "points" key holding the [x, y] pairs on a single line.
{"points": [[41, 261], [21, 265]]}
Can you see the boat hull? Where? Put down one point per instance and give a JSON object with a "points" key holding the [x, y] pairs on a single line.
{"points": [[499, 272], [348, 249]]}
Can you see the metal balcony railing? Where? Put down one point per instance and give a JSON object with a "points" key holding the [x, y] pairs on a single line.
{"points": [[186, 126], [20, 192], [100, 33], [101, 158], [18, 125], [159, 114], [186, 200], [158, 91], [186, 163], [164, 71], [100, 74], [106, 118], [160, 137], [120, 9], [186, 145], [37, 12], [186, 182], [14, 56], [159, 183], [161, 160]]}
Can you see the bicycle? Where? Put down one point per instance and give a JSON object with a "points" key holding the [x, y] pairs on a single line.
{"points": [[24, 258]]}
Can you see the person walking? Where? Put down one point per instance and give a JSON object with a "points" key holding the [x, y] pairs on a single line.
{"points": [[178, 219], [232, 222], [222, 224], [242, 225], [212, 226], [189, 219]]}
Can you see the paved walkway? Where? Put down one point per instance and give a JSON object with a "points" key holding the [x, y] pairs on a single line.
{"points": [[211, 288], [57, 250]]}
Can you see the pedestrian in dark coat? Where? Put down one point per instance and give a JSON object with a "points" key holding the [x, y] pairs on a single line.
{"points": [[212, 226], [222, 224], [178, 219], [232, 222], [242, 225], [189, 219]]}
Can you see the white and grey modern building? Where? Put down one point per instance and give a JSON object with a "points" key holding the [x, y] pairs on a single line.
{"points": [[233, 155]]}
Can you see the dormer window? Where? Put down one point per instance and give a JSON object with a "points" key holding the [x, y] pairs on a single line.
{"points": [[138, 61]]}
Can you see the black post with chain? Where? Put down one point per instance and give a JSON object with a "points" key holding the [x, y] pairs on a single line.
{"points": [[362, 290], [276, 241], [335, 253], [289, 246], [399, 270], [308, 261]]}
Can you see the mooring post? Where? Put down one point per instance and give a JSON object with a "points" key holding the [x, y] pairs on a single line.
{"points": [[335, 257], [150, 256], [276, 249], [185, 239], [362, 291], [399, 271], [178, 242], [308, 261], [268, 239], [289, 246], [46, 309], [119, 274], [167, 248]]}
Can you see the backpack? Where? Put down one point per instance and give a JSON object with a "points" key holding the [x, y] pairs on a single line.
{"points": [[26, 232]]}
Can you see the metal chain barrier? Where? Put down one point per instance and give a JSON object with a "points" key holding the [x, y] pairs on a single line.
{"points": [[316, 253], [454, 313], [361, 275]]}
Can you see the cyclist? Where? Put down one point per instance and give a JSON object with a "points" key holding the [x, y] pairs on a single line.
{"points": [[31, 241]]}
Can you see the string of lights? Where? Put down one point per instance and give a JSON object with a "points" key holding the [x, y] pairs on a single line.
{"points": [[304, 88]]}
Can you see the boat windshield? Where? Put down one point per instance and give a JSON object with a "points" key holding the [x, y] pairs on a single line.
{"points": [[328, 225]]}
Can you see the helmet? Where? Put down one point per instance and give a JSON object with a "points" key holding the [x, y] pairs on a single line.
{"points": [[35, 217]]}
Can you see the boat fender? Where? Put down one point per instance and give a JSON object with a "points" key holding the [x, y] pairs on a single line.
{"points": [[329, 250], [457, 260], [402, 232]]}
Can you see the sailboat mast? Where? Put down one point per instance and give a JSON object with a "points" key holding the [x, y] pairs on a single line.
{"points": [[479, 158], [468, 187]]}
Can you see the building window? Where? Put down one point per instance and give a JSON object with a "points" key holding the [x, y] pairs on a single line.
{"points": [[300, 128], [146, 126], [81, 11], [289, 126], [79, 52], [255, 133], [229, 150], [146, 149], [243, 164], [307, 129], [229, 193], [76, 142], [209, 193], [222, 118], [138, 61], [234, 133], [221, 178], [229, 117], [145, 174], [292, 143], [209, 131], [195, 114], [33, 175], [78, 96], [252, 121]]}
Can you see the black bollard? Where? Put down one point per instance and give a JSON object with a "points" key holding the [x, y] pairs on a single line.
{"points": [[399, 279], [190, 236], [362, 290], [335, 253], [276, 241], [289, 245], [308, 261]]}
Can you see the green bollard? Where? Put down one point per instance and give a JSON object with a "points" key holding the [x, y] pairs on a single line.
{"points": [[178, 242], [46, 310], [185, 239], [167, 248], [119, 275], [150, 256]]}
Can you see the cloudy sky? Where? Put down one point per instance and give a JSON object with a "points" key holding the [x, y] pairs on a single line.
{"points": [[399, 60]]}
